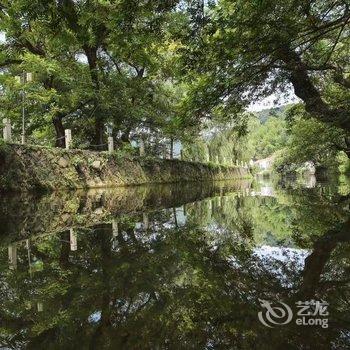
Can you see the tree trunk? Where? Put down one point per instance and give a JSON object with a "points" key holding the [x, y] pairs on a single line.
{"points": [[171, 148], [315, 263], [91, 54], [69, 10], [57, 122], [305, 89], [99, 133], [347, 146]]}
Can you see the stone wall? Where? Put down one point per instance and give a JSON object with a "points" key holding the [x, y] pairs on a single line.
{"points": [[25, 168]]}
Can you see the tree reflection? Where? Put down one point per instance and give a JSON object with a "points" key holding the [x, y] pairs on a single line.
{"points": [[182, 277]]}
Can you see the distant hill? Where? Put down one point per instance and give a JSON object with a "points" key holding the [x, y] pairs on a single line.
{"points": [[264, 114]]}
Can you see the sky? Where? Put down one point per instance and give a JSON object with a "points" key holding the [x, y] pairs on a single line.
{"points": [[273, 101]]}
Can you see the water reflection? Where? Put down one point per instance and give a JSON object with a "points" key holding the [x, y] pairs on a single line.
{"points": [[173, 267]]}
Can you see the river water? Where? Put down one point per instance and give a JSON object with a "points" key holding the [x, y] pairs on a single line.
{"points": [[226, 265]]}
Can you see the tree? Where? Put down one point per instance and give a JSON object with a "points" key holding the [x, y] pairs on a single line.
{"points": [[31, 45], [102, 61], [266, 139], [242, 141], [249, 49], [310, 140]]}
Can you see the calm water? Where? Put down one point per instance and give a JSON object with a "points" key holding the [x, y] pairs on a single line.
{"points": [[177, 267]]}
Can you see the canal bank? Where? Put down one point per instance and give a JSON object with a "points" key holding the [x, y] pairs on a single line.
{"points": [[26, 168]]}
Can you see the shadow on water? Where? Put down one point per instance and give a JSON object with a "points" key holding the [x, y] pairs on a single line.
{"points": [[176, 267]]}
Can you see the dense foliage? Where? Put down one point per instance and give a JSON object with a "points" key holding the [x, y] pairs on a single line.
{"points": [[249, 49], [179, 70], [94, 63]]}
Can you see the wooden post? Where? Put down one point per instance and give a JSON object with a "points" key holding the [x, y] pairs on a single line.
{"points": [[145, 221], [210, 206], [29, 256], [73, 240], [110, 144], [115, 232], [142, 148], [40, 306], [68, 138], [115, 228], [29, 77], [12, 249], [7, 132], [181, 155]]}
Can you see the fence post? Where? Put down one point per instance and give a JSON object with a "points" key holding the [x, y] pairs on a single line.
{"points": [[110, 144], [7, 133], [145, 220], [142, 148], [115, 229], [12, 250], [68, 137], [73, 239], [40, 306]]}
